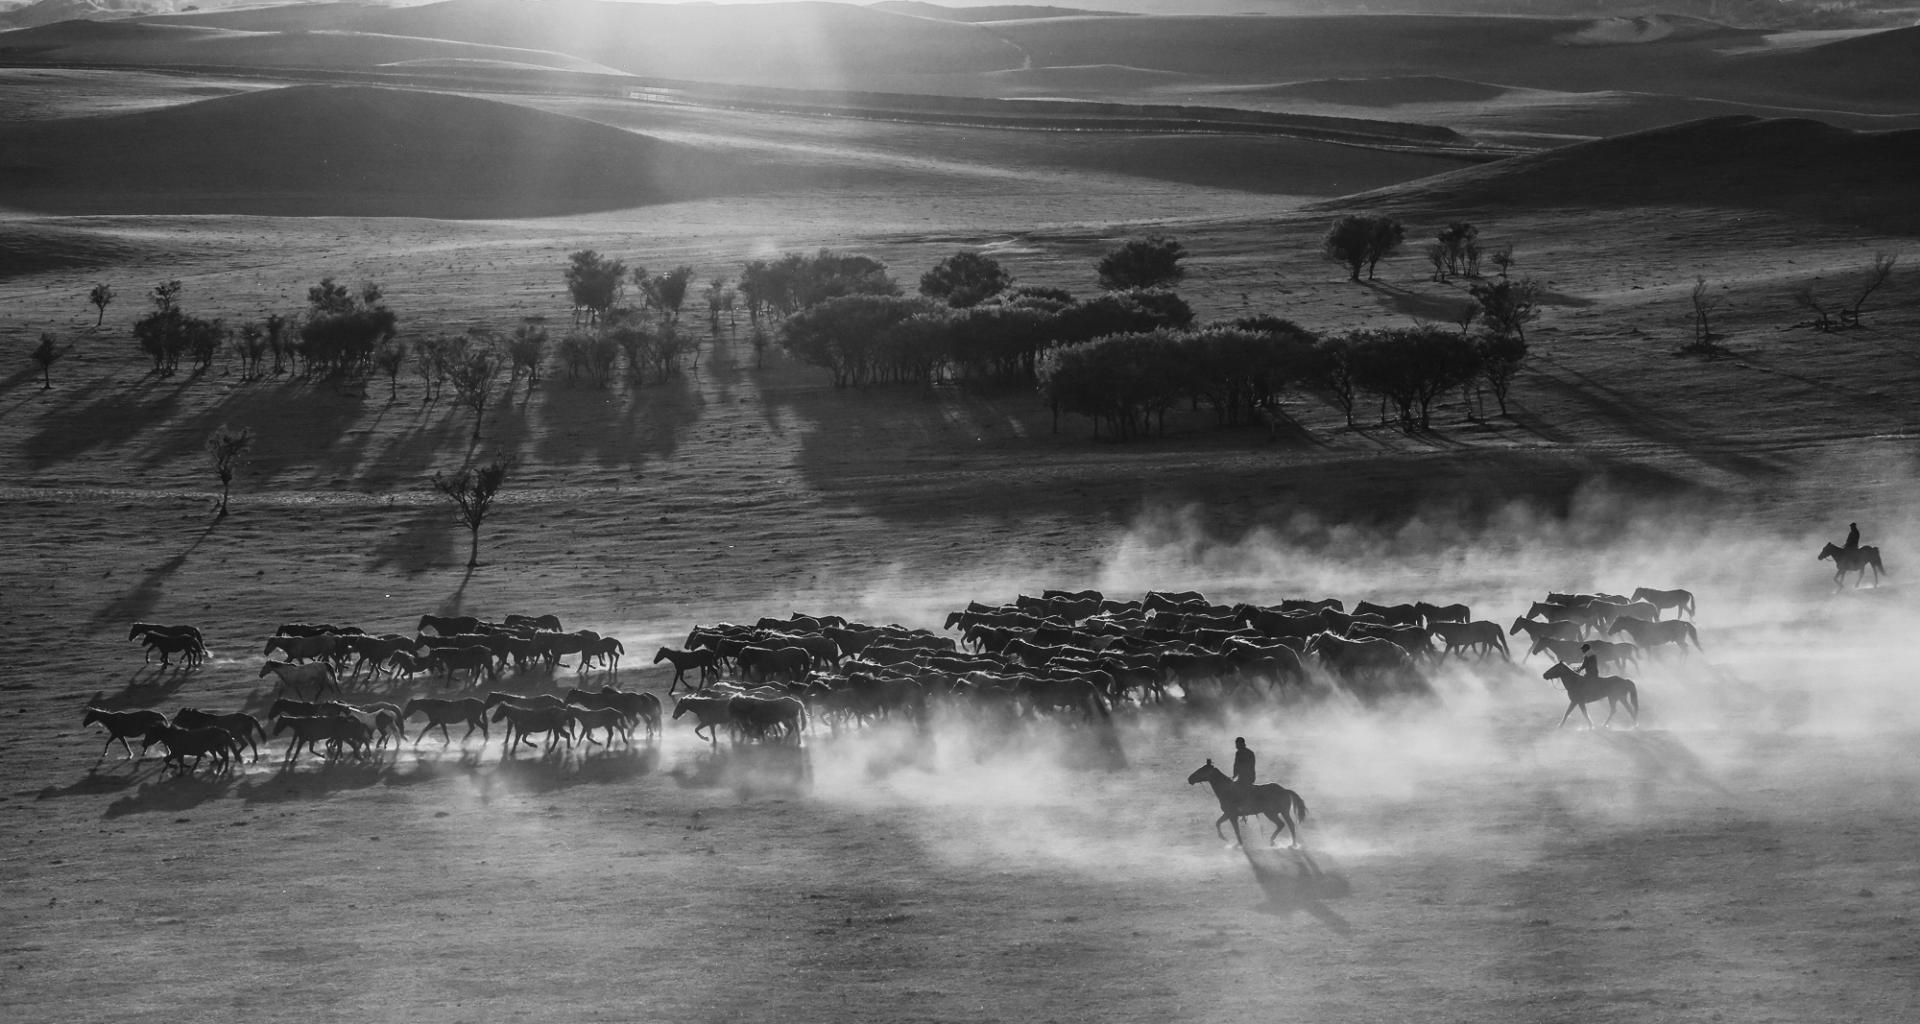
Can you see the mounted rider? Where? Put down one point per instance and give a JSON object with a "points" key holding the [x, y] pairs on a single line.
{"points": [[1243, 769], [1589, 662], [1853, 538]]}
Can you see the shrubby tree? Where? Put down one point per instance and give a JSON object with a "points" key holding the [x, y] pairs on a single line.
{"points": [[721, 298], [344, 328], [1151, 262], [527, 349], [846, 335], [965, 279], [226, 451], [249, 345], [1334, 363], [1362, 240], [1506, 306], [593, 282], [1455, 252], [1705, 306], [49, 353], [666, 292], [472, 491], [390, 359], [472, 370], [1411, 367], [1501, 357], [100, 297]]}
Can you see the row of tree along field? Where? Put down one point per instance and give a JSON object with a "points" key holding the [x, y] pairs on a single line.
{"points": [[1123, 357]]}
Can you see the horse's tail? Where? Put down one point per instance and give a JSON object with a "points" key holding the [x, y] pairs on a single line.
{"points": [[1633, 698], [1299, 807], [1501, 639], [1694, 635], [1691, 614]]}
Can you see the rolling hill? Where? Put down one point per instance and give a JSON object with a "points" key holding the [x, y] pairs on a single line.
{"points": [[1790, 165], [344, 150]]}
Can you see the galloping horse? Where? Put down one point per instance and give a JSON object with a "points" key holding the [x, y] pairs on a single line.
{"points": [[1277, 802], [293, 677], [703, 659], [1856, 561], [1681, 601], [1582, 691]]}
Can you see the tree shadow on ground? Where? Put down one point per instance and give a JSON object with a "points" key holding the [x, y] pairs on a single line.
{"points": [[137, 603], [423, 539], [1633, 417], [104, 415], [323, 412], [621, 426], [1295, 882], [16, 380]]}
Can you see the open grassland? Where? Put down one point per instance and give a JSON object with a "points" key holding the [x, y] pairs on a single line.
{"points": [[1745, 853]]}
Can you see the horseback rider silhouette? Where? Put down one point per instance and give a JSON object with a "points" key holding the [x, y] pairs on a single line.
{"points": [[1853, 537], [1589, 664], [1243, 768]]}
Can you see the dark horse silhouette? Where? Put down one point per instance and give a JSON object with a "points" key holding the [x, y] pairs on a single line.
{"points": [[1853, 560], [1582, 691], [1280, 804]]}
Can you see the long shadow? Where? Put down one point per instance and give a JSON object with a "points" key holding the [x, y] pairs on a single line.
{"points": [[412, 453], [324, 414], [1294, 881], [104, 415], [424, 539], [546, 772], [621, 426], [135, 604], [750, 770], [1446, 309], [1635, 417], [171, 793], [146, 687]]}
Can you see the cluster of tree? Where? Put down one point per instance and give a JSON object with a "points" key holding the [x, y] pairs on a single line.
{"points": [[1128, 381], [1362, 240], [615, 335], [343, 329], [796, 281], [867, 339], [168, 334]]}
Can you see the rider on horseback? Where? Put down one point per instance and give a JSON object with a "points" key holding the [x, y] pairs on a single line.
{"points": [[1853, 538], [1589, 663], [1243, 768]]}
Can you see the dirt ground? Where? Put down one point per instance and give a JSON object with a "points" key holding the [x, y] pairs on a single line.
{"points": [[1744, 854]]}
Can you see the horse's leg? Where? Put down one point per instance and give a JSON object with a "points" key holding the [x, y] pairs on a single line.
{"points": [[1218, 822], [1274, 817], [1571, 704], [1583, 714]]}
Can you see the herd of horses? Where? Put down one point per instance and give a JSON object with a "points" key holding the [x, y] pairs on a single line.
{"points": [[1071, 656]]}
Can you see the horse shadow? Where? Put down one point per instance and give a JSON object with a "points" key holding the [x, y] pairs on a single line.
{"points": [[750, 770], [1294, 881], [287, 781], [142, 690], [557, 769], [174, 793], [95, 782]]}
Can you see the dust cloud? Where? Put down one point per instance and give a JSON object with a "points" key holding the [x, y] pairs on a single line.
{"points": [[1798, 685]]}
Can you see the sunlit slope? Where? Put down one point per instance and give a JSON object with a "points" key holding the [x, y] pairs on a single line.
{"points": [[803, 44], [327, 150], [1785, 164], [169, 43], [1688, 58]]}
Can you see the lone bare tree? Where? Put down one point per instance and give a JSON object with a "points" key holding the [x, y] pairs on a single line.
{"points": [[45, 356], [1831, 316], [100, 296], [226, 450], [1706, 306], [473, 490]]}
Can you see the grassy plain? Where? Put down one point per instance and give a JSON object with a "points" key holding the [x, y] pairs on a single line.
{"points": [[1745, 854]]}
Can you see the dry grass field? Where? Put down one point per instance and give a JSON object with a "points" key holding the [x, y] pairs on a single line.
{"points": [[1744, 853]]}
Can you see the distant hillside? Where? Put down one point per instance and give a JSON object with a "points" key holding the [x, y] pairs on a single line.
{"points": [[1791, 165], [996, 12], [809, 44], [182, 43], [1881, 68], [339, 150]]}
